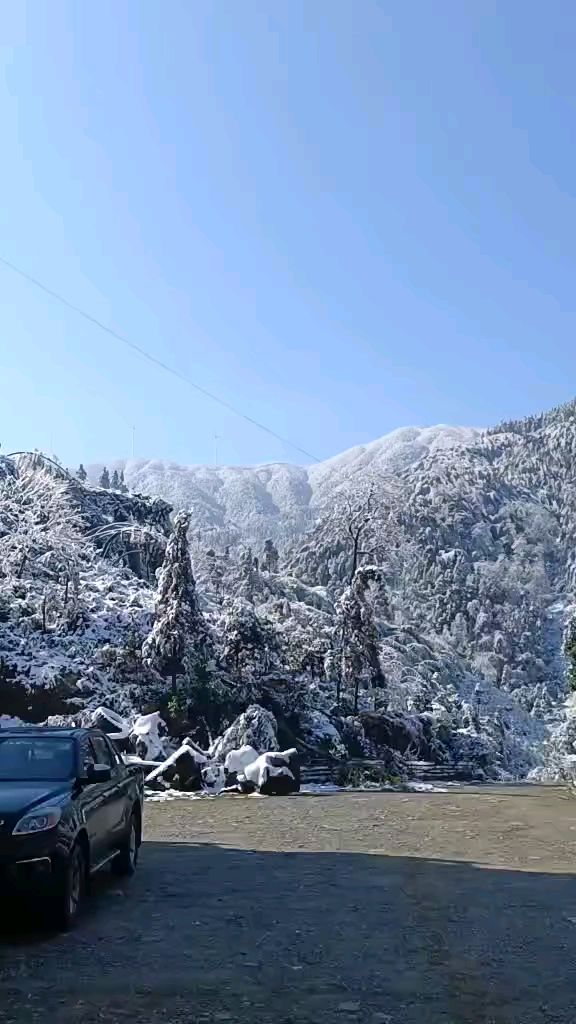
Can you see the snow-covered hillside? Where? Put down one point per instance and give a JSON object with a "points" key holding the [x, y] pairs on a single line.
{"points": [[475, 533], [279, 500], [391, 454], [72, 609], [417, 590]]}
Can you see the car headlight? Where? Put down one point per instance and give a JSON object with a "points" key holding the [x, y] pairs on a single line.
{"points": [[39, 820]]}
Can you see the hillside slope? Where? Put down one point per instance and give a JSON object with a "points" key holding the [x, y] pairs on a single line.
{"points": [[72, 608], [476, 533], [430, 575], [279, 500]]}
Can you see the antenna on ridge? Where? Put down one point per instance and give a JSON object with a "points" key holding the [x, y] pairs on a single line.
{"points": [[217, 437]]}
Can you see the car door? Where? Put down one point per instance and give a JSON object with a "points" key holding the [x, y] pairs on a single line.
{"points": [[114, 799], [121, 802], [94, 804]]}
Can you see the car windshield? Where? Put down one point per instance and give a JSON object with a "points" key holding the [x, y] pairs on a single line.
{"points": [[36, 758]]}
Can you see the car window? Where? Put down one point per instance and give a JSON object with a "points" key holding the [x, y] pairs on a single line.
{"points": [[87, 757], [117, 758], [35, 758], [102, 752]]}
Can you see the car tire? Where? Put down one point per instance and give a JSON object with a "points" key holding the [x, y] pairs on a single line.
{"points": [[68, 895], [124, 864]]}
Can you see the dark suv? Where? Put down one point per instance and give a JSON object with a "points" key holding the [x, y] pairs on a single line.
{"points": [[68, 806]]}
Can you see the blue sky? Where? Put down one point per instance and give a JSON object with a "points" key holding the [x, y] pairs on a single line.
{"points": [[341, 216]]}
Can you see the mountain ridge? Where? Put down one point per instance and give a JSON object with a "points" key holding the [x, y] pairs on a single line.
{"points": [[430, 573], [280, 497]]}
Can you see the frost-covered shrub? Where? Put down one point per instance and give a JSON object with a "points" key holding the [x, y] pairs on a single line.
{"points": [[319, 732], [255, 728]]}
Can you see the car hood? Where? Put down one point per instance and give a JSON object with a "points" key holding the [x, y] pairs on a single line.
{"points": [[16, 798]]}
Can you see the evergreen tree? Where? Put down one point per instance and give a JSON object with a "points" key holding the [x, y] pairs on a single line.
{"points": [[82, 474], [356, 633], [215, 573], [122, 485], [249, 642], [570, 653], [179, 644], [105, 479], [248, 576], [115, 485], [270, 557]]}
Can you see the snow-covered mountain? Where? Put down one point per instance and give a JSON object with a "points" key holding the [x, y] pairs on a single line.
{"points": [[390, 454], [431, 573], [280, 500]]}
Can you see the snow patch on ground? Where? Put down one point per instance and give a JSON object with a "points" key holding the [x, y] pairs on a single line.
{"points": [[424, 787]]}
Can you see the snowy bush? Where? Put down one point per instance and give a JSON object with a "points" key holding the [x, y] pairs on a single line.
{"points": [[255, 728]]}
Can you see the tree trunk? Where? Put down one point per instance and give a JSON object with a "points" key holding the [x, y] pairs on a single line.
{"points": [[174, 672], [355, 549], [341, 671], [356, 689]]}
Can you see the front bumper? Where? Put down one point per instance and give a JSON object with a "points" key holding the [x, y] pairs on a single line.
{"points": [[27, 873], [28, 862]]}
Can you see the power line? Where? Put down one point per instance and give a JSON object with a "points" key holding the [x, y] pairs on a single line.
{"points": [[153, 359]]}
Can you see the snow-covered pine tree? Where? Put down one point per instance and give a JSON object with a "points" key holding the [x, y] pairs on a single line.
{"points": [[248, 576], [570, 652], [122, 485], [270, 558], [357, 634], [81, 474], [105, 479], [249, 643], [179, 643], [115, 484], [215, 573]]}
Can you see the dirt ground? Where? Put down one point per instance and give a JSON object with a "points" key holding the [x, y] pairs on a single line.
{"points": [[378, 908]]}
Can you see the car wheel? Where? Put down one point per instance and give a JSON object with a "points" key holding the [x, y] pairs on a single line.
{"points": [[69, 893], [127, 858]]}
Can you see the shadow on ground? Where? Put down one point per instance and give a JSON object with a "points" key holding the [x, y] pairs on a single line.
{"points": [[207, 933]]}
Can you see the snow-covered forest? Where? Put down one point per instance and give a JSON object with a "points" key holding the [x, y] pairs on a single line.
{"points": [[412, 598]]}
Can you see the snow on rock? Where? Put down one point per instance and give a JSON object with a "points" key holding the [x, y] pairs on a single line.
{"points": [[148, 735], [183, 769], [108, 721], [256, 727], [272, 773], [145, 766], [237, 760], [213, 777]]}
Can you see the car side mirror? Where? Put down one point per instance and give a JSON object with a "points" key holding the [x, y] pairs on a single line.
{"points": [[98, 773]]}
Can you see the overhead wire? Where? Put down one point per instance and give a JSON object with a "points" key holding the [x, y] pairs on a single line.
{"points": [[154, 359]]}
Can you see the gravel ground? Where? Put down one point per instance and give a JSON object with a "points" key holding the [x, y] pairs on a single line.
{"points": [[378, 908]]}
